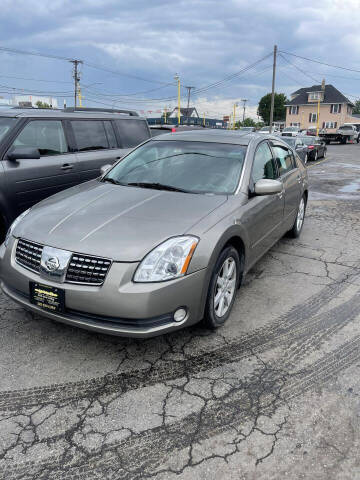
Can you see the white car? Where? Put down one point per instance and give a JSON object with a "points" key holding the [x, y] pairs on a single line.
{"points": [[290, 132]]}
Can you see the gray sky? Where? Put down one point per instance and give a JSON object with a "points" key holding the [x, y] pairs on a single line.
{"points": [[147, 41]]}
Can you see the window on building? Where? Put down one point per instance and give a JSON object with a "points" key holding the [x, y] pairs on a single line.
{"points": [[312, 117], [329, 125], [294, 110], [132, 132], [45, 135], [335, 108], [349, 110], [315, 95], [89, 135]]}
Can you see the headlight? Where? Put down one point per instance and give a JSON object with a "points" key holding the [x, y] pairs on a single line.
{"points": [[167, 261], [13, 225]]}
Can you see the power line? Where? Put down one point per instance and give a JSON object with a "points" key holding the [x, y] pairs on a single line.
{"points": [[300, 69], [321, 63]]}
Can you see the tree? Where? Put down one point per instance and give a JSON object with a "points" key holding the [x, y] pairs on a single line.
{"points": [[248, 122], [41, 104], [279, 107], [357, 107]]}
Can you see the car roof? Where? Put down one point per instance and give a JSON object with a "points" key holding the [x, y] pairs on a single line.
{"points": [[215, 135], [57, 113]]}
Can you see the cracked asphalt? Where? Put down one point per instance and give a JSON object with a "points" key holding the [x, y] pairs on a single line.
{"points": [[273, 394]]}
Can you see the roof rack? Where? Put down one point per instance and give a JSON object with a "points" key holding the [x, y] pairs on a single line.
{"points": [[103, 110]]}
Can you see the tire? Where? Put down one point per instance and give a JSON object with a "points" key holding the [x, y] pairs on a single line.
{"points": [[214, 317], [315, 157], [306, 159], [298, 225]]}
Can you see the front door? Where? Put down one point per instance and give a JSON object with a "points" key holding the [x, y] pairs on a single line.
{"points": [[263, 215], [291, 179], [30, 180]]}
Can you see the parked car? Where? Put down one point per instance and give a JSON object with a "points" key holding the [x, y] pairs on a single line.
{"points": [[345, 133], [163, 239], [267, 130], [316, 148], [311, 131], [290, 132], [299, 146], [45, 151], [167, 128], [247, 129]]}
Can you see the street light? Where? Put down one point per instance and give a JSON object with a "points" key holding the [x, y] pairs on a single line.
{"points": [[177, 78], [235, 105]]}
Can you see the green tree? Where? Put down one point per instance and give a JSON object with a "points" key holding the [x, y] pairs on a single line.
{"points": [[41, 104], [357, 107], [279, 107]]}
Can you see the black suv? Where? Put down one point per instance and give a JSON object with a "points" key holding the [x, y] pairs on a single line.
{"points": [[45, 151]]}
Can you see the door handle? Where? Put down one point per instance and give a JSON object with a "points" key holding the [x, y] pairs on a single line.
{"points": [[67, 166]]}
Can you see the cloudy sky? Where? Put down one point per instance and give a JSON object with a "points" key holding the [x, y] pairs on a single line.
{"points": [[133, 48]]}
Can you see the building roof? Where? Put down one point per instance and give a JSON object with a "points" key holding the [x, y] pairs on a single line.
{"points": [[186, 112], [332, 95]]}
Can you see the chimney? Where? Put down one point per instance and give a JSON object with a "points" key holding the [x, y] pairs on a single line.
{"points": [[323, 85]]}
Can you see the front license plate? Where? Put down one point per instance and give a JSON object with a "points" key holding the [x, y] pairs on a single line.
{"points": [[48, 298]]}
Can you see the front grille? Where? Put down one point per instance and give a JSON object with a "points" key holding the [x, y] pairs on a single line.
{"points": [[28, 254], [87, 269]]}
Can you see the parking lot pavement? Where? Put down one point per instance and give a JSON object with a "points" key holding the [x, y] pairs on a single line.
{"points": [[274, 394]]}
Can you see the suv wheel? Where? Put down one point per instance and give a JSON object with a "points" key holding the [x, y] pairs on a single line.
{"points": [[222, 289]]}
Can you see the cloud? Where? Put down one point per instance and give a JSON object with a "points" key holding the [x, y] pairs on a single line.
{"points": [[203, 41]]}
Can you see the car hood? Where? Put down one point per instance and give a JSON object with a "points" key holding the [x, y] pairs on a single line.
{"points": [[118, 222]]}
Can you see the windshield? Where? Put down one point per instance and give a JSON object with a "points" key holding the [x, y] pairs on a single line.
{"points": [[289, 140], [290, 129], [193, 167], [308, 140], [345, 127], [6, 123], [264, 129]]}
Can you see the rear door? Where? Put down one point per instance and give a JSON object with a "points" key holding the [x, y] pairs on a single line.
{"points": [[290, 176], [96, 144], [30, 180], [263, 215]]}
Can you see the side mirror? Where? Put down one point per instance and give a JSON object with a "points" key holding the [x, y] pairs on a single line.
{"points": [[19, 153], [268, 187], [105, 168]]}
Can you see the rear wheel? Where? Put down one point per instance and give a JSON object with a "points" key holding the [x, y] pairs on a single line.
{"points": [[306, 159], [315, 157], [222, 289], [299, 220]]}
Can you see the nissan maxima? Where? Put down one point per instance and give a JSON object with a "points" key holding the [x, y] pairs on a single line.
{"points": [[163, 239]]}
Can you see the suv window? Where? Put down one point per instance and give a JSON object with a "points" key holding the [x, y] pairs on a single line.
{"points": [[89, 135], [132, 132], [284, 159], [6, 123], [45, 135], [110, 134], [263, 166]]}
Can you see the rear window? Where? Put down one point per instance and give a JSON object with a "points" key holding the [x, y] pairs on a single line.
{"points": [[132, 132], [6, 124]]}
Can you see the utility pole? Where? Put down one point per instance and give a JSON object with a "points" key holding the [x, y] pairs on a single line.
{"points": [[76, 76], [244, 100], [188, 101], [177, 78], [318, 117], [273, 90]]}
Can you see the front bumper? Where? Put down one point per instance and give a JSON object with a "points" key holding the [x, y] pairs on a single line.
{"points": [[119, 306]]}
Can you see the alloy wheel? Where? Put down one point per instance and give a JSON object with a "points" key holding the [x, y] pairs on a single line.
{"points": [[300, 215], [225, 287]]}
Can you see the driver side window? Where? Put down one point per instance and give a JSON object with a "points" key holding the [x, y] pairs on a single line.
{"points": [[264, 165], [45, 135]]}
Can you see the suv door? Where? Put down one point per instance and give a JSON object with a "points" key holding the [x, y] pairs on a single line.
{"points": [[263, 214], [30, 180], [290, 176], [95, 144]]}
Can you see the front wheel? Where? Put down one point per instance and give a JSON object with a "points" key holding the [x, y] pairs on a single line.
{"points": [[222, 289], [299, 220]]}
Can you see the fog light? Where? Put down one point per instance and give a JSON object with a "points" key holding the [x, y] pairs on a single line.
{"points": [[180, 315]]}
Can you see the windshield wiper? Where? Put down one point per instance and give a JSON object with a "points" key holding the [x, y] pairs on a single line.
{"points": [[111, 180], [158, 186]]}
